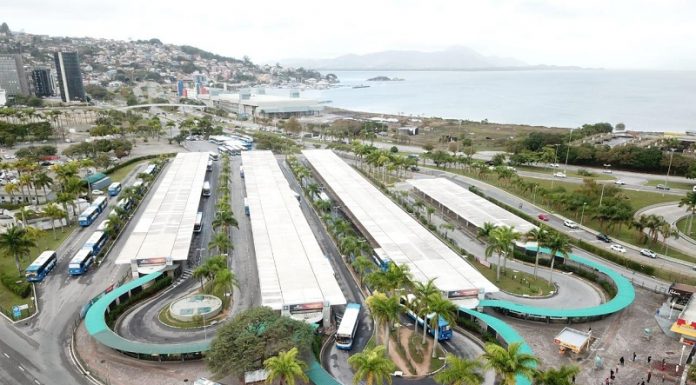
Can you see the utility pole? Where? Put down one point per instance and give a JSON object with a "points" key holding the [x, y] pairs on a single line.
{"points": [[671, 155]]}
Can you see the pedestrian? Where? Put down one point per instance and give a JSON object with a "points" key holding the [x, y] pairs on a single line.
{"points": [[649, 358], [634, 356], [611, 372], [606, 381], [617, 370], [649, 375], [642, 383], [621, 361], [663, 364], [663, 378]]}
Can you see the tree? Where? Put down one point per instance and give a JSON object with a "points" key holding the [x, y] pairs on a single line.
{"points": [[557, 244], [224, 282], [509, 363], [362, 265], [485, 231], [423, 292], [561, 376], [440, 308], [16, 242], [690, 202], [226, 219], [220, 242], [251, 337], [293, 126], [460, 371], [285, 367], [538, 235], [385, 310], [372, 366], [54, 212]]}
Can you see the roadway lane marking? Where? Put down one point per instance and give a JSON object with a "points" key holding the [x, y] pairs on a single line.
{"points": [[6, 355], [37, 381], [20, 367]]}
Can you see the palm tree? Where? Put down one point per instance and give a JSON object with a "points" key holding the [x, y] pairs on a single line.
{"points": [[460, 371], [220, 242], [440, 308], [557, 243], [226, 219], [362, 265], [224, 282], [285, 367], [385, 310], [372, 366], [690, 202], [495, 246], [11, 189], [539, 235], [201, 272], [41, 181], [423, 292], [509, 363], [16, 242], [485, 231], [115, 223], [54, 212], [507, 236], [561, 376]]}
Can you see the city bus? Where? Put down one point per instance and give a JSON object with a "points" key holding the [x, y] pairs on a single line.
{"points": [[246, 206], [103, 225], [206, 189], [198, 225], [100, 203], [96, 242], [214, 156], [349, 325], [79, 264], [209, 167], [88, 216], [444, 330], [241, 171], [150, 170], [114, 189], [38, 269]]}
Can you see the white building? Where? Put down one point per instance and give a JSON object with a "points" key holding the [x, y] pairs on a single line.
{"points": [[260, 104], [3, 97]]}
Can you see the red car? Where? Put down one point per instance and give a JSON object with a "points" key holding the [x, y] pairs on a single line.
{"points": [[543, 217]]}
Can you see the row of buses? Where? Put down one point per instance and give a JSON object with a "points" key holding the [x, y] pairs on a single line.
{"points": [[88, 216]]}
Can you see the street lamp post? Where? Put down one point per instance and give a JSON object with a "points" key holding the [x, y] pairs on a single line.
{"points": [[570, 136], [582, 215], [671, 155], [601, 196]]}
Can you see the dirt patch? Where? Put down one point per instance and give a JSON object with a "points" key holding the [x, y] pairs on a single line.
{"points": [[400, 353]]}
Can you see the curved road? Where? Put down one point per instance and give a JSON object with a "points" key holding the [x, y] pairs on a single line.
{"points": [[672, 213]]}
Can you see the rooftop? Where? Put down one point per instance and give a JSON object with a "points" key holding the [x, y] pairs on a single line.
{"points": [[396, 233], [293, 270], [467, 205], [165, 228]]}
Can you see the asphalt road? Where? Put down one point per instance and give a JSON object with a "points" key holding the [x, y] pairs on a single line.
{"points": [[38, 348], [672, 213]]}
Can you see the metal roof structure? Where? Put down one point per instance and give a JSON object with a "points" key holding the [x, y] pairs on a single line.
{"points": [[292, 268], [165, 228], [399, 236], [467, 205]]}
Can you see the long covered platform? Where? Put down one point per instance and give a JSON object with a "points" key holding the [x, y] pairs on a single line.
{"points": [[398, 236], [163, 233], [295, 276]]}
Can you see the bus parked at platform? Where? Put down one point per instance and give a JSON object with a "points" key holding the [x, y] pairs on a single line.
{"points": [[81, 262], [198, 225], [114, 189], [43, 265], [96, 242], [88, 216], [349, 325]]}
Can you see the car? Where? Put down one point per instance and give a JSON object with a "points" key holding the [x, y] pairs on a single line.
{"points": [[648, 253], [662, 187], [618, 248], [97, 192], [603, 237], [554, 165], [693, 189], [607, 171], [619, 182], [571, 224], [560, 175], [9, 156], [543, 217]]}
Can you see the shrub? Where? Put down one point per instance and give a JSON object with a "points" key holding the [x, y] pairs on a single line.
{"points": [[416, 348], [16, 284], [116, 312]]}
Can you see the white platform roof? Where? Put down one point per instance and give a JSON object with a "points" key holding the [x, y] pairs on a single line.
{"points": [[398, 235], [292, 267], [467, 205], [165, 228]]}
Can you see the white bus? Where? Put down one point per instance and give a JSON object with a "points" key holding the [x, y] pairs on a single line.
{"points": [[206, 189], [349, 325], [198, 225]]}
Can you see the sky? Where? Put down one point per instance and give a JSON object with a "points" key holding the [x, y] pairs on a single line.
{"points": [[621, 34]]}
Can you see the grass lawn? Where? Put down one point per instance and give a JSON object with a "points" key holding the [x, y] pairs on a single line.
{"points": [[516, 282], [679, 185], [121, 173], [46, 242], [546, 170], [683, 225]]}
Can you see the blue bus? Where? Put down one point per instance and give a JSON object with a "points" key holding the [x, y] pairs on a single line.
{"points": [[38, 269], [81, 262], [101, 203], [125, 203], [349, 325], [444, 330], [96, 242], [114, 189], [88, 216]]}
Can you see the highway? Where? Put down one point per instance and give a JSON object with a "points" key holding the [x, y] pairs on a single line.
{"points": [[672, 213], [38, 348]]}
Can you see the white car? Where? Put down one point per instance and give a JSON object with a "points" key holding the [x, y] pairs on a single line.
{"points": [[571, 224], [619, 182], [97, 192], [559, 175], [9, 156], [618, 248], [554, 165], [607, 171], [648, 253]]}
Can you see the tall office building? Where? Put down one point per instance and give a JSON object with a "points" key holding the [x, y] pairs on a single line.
{"points": [[12, 77], [43, 82], [69, 76]]}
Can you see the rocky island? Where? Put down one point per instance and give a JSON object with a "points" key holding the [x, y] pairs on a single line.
{"points": [[384, 79]]}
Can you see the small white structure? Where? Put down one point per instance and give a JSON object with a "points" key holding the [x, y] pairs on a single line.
{"points": [[206, 306], [3, 97], [572, 339]]}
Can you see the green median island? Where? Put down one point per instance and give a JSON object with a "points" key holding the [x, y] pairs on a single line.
{"points": [[516, 282]]}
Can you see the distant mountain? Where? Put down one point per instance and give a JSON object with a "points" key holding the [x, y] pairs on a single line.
{"points": [[449, 59]]}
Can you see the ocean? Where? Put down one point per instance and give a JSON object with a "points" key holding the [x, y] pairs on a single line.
{"points": [[642, 100]]}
